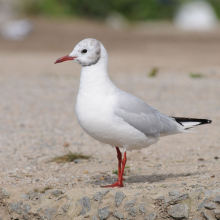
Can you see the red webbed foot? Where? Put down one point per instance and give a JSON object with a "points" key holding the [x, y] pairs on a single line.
{"points": [[113, 185]]}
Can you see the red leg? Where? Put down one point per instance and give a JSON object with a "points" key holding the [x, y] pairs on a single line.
{"points": [[119, 161], [119, 182]]}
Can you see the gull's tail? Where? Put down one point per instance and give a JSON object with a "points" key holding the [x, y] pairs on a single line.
{"points": [[191, 122]]}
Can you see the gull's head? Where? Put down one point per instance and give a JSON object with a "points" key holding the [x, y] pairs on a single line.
{"points": [[86, 53]]}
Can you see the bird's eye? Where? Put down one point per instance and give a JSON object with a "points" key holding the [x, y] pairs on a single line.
{"points": [[84, 51]]}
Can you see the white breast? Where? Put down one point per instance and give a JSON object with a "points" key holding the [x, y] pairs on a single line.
{"points": [[95, 114]]}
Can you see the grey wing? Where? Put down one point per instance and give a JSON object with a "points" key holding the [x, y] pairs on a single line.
{"points": [[144, 117]]}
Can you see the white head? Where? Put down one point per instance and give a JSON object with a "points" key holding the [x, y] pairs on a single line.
{"points": [[86, 53]]}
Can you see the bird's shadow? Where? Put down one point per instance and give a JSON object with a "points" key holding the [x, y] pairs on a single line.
{"points": [[155, 177], [105, 180]]}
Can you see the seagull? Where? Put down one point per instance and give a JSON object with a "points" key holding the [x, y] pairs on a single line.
{"points": [[113, 116]]}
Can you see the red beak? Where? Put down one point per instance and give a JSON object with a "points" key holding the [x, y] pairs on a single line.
{"points": [[65, 58]]}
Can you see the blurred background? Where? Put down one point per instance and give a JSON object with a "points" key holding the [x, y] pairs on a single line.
{"points": [[140, 10], [193, 15], [166, 52]]}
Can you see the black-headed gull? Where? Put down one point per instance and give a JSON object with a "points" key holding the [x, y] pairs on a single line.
{"points": [[112, 116]]}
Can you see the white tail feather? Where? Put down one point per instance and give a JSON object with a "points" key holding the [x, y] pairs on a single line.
{"points": [[190, 124]]}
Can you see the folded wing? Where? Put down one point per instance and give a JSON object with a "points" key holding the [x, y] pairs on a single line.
{"points": [[145, 118]]}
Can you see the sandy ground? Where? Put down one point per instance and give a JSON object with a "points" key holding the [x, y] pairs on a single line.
{"points": [[37, 106]]}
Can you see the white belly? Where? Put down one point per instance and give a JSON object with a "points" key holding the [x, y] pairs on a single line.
{"points": [[96, 117]]}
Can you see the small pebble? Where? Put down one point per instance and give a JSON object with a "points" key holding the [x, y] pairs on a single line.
{"points": [[16, 207], [179, 211], [207, 216], [132, 211], [98, 195], [66, 207], [119, 196], [85, 202], [129, 204], [174, 193], [118, 215], [142, 209], [201, 205], [151, 216], [26, 207], [25, 196], [210, 206], [174, 199], [217, 199], [50, 212], [56, 192], [211, 191], [217, 213], [4, 193], [103, 213]]}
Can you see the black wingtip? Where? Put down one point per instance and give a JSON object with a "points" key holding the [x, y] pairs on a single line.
{"points": [[181, 120]]}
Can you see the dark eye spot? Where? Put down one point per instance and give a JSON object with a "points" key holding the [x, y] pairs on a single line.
{"points": [[84, 51]]}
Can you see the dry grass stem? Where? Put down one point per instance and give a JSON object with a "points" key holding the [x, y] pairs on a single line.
{"points": [[69, 157]]}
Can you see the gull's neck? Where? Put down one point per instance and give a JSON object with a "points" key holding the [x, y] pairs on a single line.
{"points": [[95, 77]]}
